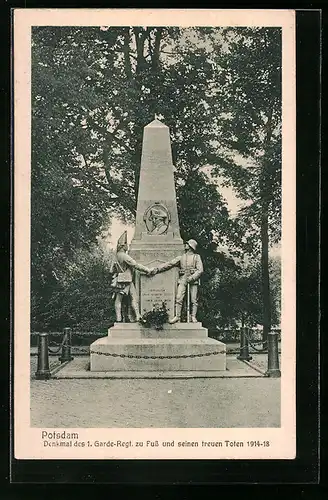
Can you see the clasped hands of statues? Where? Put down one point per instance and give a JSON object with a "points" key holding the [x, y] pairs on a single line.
{"points": [[155, 270]]}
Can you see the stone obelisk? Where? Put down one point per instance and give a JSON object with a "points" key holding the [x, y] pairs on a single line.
{"points": [[131, 348], [157, 233], [156, 187]]}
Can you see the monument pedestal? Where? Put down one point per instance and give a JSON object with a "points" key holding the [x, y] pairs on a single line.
{"points": [[178, 347]]}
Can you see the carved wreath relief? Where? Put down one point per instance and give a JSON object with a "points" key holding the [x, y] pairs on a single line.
{"points": [[157, 219]]}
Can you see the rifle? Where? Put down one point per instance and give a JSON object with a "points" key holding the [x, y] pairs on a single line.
{"points": [[188, 303]]}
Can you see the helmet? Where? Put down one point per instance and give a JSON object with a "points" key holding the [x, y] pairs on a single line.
{"points": [[193, 244], [158, 212], [122, 241]]}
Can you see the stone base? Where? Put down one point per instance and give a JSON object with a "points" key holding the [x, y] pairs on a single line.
{"points": [[79, 368], [176, 331], [131, 347]]}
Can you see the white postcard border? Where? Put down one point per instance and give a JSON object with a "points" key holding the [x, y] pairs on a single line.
{"points": [[27, 440]]}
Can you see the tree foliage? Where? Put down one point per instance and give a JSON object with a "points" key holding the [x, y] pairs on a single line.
{"points": [[252, 92], [93, 91], [251, 70], [80, 297]]}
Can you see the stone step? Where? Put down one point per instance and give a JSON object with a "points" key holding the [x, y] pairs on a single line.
{"points": [[79, 368], [176, 331], [114, 354]]}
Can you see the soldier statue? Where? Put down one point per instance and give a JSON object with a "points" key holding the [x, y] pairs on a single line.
{"points": [[122, 267], [190, 269]]}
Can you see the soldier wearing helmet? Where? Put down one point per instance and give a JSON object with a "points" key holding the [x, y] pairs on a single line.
{"points": [[122, 284], [190, 269]]}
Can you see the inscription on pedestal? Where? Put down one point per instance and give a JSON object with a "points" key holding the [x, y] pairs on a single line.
{"points": [[157, 289]]}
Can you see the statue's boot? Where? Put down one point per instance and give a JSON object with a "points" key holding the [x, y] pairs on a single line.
{"points": [[177, 316], [193, 313]]}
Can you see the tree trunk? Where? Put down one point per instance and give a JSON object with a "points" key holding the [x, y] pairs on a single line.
{"points": [[138, 131], [264, 188], [140, 37], [266, 296], [156, 51]]}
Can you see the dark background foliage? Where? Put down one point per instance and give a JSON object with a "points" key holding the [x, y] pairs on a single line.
{"points": [[93, 91]]}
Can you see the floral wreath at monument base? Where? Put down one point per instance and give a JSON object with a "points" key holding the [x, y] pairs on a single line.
{"points": [[156, 318]]}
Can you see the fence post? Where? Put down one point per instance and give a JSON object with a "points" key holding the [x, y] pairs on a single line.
{"points": [[273, 356], [67, 345], [244, 347], [43, 372]]}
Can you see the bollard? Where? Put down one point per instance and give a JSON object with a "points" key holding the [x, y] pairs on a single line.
{"points": [[244, 347], [66, 348], [43, 372], [273, 356]]}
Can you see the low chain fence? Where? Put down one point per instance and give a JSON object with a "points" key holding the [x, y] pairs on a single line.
{"points": [[83, 339], [45, 347], [58, 345], [232, 335]]}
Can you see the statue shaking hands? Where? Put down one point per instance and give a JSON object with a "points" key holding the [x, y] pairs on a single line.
{"points": [[190, 269], [122, 268]]}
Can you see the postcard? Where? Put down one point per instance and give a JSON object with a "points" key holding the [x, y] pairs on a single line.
{"points": [[154, 234]]}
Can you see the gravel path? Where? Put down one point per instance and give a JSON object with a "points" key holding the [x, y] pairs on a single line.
{"points": [[223, 403], [141, 403]]}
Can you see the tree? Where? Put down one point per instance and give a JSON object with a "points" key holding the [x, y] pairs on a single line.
{"points": [[81, 298], [235, 295], [251, 85], [93, 91], [201, 208], [275, 288], [100, 88]]}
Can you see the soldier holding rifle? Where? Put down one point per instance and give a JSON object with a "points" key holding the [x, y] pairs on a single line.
{"points": [[190, 269]]}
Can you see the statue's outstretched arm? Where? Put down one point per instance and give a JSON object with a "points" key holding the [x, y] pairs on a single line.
{"points": [[133, 263], [168, 265]]}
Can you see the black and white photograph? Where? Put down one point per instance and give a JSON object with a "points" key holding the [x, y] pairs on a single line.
{"points": [[155, 227]]}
